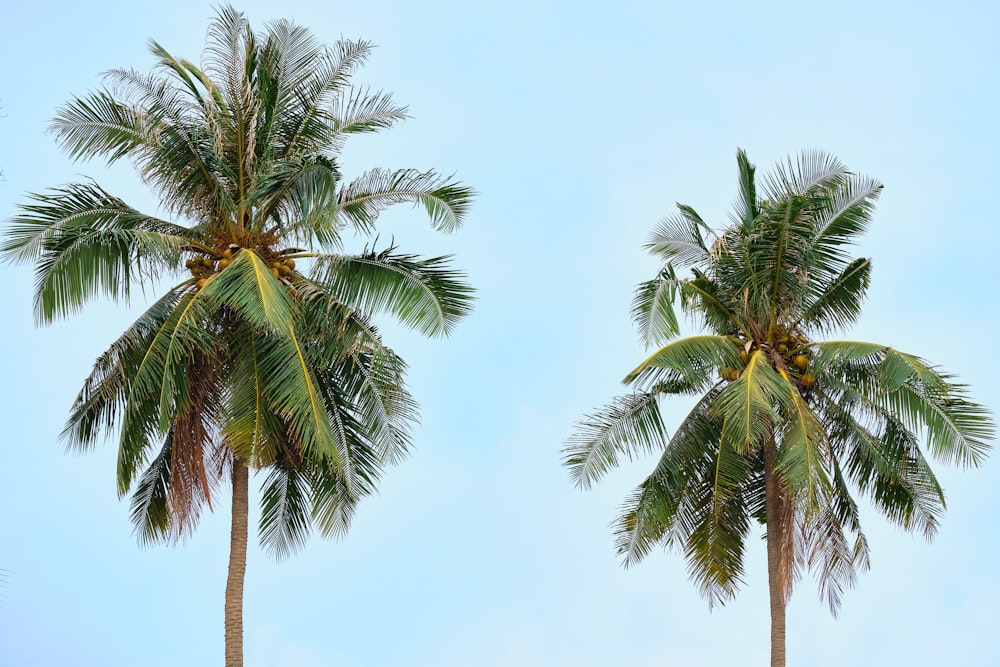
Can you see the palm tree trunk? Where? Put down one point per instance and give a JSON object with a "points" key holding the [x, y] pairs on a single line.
{"points": [[774, 583], [237, 566]]}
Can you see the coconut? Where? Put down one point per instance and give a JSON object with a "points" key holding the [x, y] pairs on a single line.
{"points": [[227, 253], [275, 273], [782, 348], [807, 379], [290, 263], [201, 283], [284, 270], [800, 361], [223, 263]]}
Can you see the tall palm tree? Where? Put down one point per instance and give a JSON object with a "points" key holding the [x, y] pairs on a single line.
{"points": [[786, 429], [247, 362]]}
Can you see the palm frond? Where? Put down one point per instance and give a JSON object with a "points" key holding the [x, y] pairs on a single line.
{"points": [[363, 199], [748, 403], [653, 308], [359, 111], [746, 207], [628, 426], [811, 170], [248, 287], [695, 358], [658, 511], [679, 239], [423, 294], [839, 303], [285, 520], [98, 125], [150, 506], [84, 242], [803, 454]]}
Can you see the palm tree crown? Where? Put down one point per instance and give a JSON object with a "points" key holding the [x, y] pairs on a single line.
{"points": [[786, 427], [248, 360]]}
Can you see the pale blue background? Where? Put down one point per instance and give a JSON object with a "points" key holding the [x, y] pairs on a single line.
{"points": [[580, 125]]}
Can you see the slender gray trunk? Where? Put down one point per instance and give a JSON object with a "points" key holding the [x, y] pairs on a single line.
{"points": [[237, 566], [774, 537]]}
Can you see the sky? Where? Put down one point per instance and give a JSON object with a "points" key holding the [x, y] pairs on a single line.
{"points": [[580, 125]]}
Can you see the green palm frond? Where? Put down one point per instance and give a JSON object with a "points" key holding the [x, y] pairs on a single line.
{"points": [[293, 391], [248, 287], [360, 111], [957, 429], [658, 510], [628, 426], [102, 400], [811, 171], [721, 521], [362, 200], [746, 207], [680, 239], [177, 157], [247, 430], [748, 403], [307, 89], [803, 456], [883, 460], [150, 507], [285, 519], [653, 309], [696, 358], [84, 242], [423, 294], [300, 195], [845, 217], [839, 303], [98, 125], [334, 504], [384, 408]]}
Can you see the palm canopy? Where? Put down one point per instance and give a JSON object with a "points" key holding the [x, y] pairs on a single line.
{"points": [[824, 419], [246, 357]]}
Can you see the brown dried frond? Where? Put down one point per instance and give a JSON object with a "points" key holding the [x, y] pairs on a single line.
{"points": [[191, 481]]}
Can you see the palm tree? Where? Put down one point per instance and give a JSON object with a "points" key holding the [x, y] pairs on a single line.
{"points": [[786, 429], [248, 361]]}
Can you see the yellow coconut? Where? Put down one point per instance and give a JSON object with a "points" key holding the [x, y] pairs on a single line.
{"points": [[807, 379], [223, 263], [800, 361]]}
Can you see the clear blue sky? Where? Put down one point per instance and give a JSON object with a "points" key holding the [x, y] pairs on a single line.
{"points": [[580, 125]]}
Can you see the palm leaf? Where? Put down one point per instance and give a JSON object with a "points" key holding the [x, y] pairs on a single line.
{"points": [[695, 358], [363, 199], [285, 520], [628, 426], [423, 294]]}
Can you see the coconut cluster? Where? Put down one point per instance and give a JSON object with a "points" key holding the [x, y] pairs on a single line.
{"points": [[794, 356], [282, 268], [201, 268]]}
